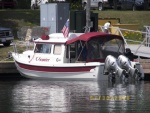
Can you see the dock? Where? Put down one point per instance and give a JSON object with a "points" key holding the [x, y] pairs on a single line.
{"points": [[8, 67], [144, 52], [140, 50], [9, 70], [146, 65]]}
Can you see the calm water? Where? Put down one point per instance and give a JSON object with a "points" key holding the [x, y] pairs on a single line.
{"points": [[35, 96]]}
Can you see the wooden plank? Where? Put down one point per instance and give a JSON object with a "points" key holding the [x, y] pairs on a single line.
{"points": [[146, 66], [146, 71], [8, 67], [144, 60]]}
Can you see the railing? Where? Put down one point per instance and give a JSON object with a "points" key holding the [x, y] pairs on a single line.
{"points": [[119, 31], [27, 35], [147, 28], [15, 48]]}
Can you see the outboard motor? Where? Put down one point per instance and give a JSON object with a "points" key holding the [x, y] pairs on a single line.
{"points": [[112, 69], [125, 63]]}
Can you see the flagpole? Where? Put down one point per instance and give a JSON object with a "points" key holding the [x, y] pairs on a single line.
{"points": [[88, 20]]}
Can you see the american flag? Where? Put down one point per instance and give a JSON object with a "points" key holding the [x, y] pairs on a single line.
{"points": [[65, 29]]}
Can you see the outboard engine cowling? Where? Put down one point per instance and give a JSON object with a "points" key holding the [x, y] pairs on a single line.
{"points": [[125, 63], [112, 68]]}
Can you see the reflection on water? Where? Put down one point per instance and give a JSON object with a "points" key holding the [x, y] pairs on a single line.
{"points": [[32, 96]]}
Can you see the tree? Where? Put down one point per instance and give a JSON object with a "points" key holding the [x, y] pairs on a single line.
{"points": [[115, 3]]}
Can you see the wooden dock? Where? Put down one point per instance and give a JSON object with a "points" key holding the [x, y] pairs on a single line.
{"points": [[142, 51], [8, 67], [9, 70], [146, 65]]}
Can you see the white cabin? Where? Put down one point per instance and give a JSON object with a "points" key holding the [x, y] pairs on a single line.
{"points": [[54, 49]]}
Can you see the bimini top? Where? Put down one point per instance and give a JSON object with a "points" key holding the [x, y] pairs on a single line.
{"points": [[94, 35]]}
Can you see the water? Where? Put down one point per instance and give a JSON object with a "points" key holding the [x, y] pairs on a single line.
{"points": [[43, 96]]}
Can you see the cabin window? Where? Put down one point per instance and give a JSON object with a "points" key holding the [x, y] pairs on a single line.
{"points": [[57, 49], [42, 48]]}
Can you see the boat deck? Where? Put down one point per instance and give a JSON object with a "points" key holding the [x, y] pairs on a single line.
{"points": [[140, 50]]}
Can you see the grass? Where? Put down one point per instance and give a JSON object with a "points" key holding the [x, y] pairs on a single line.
{"points": [[141, 18], [16, 19], [5, 51]]}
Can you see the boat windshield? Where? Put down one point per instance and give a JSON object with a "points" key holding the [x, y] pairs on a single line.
{"points": [[101, 49], [43, 48]]}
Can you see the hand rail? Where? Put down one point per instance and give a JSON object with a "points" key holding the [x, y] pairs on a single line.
{"points": [[119, 30]]}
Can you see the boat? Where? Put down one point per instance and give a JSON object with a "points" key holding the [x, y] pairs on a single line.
{"points": [[80, 56]]}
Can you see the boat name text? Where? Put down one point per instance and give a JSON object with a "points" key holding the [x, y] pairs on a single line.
{"points": [[42, 59]]}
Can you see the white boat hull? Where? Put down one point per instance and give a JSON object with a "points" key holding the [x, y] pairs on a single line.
{"points": [[78, 72], [80, 56]]}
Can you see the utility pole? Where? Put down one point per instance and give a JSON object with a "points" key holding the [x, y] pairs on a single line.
{"points": [[145, 4], [88, 20]]}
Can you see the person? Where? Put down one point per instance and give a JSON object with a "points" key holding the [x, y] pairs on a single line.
{"points": [[106, 26]]}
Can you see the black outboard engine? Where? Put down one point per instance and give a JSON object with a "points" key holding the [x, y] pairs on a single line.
{"points": [[125, 63], [112, 69]]}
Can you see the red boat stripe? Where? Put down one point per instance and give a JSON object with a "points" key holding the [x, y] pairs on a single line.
{"points": [[55, 69]]}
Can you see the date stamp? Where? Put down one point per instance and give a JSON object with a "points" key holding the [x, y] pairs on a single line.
{"points": [[110, 98]]}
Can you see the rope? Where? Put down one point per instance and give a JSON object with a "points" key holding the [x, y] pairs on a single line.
{"points": [[32, 58]]}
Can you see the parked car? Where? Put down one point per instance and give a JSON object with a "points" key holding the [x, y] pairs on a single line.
{"points": [[8, 3], [6, 36], [98, 4], [35, 4], [130, 4]]}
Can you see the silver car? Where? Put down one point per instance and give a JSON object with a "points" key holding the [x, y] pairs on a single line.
{"points": [[98, 4]]}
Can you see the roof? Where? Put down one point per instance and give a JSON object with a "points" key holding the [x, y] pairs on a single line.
{"points": [[92, 35], [56, 38]]}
